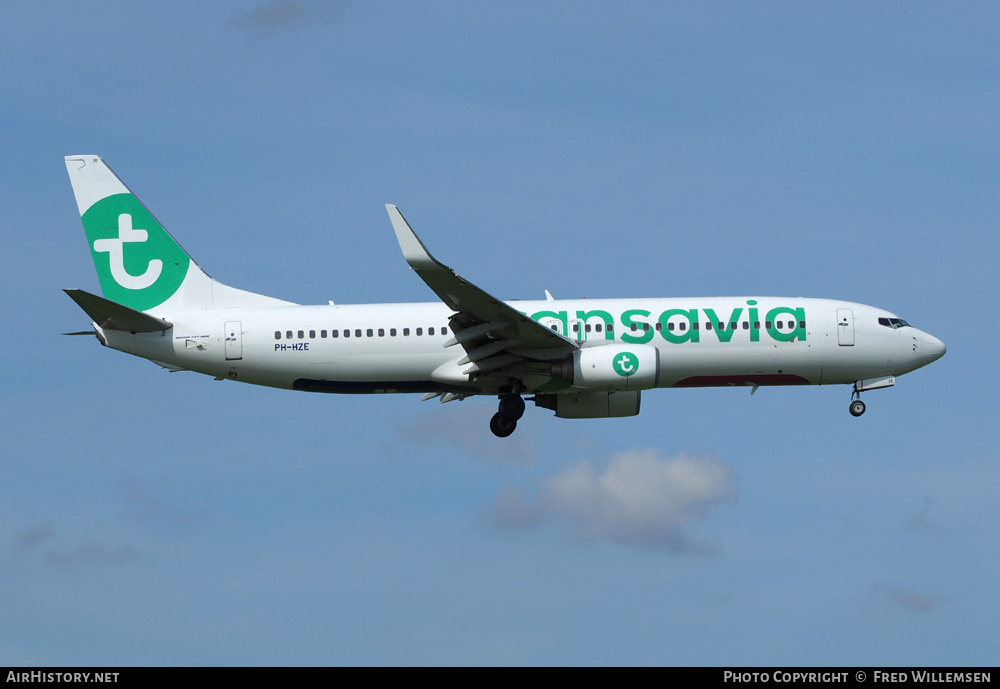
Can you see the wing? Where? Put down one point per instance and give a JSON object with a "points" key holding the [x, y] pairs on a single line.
{"points": [[494, 336]]}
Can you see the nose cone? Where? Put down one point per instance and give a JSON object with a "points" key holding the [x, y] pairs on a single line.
{"points": [[931, 348]]}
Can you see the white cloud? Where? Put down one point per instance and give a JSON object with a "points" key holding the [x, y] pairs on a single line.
{"points": [[89, 553], [148, 504], [282, 16], [467, 426], [277, 15], [908, 599], [641, 500], [28, 538], [921, 521]]}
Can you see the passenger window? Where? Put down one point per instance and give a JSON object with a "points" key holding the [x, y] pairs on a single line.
{"points": [[444, 331], [420, 331], [611, 327], [381, 332], [322, 334], [634, 327], [357, 332], [277, 334], [598, 327], [746, 325], [369, 332], [554, 326], [670, 327], [406, 332], [659, 326], [392, 332], [301, 334], [802, 324], [682, 326], [335, 333], [645, 326], [732, 326], [767, 324], [780, 325], [756, 325], [347, 333], [430, 331], [587, 327], [312, 334], [708, 325], [288, 334], [695, 326], [576, 327]]}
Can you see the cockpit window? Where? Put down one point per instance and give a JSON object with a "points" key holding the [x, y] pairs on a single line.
{"points": [[893, 323]]}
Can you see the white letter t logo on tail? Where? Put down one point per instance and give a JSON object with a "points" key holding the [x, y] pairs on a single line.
{"points": [[116, 250]]}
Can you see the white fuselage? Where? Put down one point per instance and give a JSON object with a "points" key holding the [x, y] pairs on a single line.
{"points": [[580, 358], [401, 347]]}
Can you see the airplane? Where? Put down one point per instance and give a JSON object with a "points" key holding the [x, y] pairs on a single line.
{"points": [[581, 358]]}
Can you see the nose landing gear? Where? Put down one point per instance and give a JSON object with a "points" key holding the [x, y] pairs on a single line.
{"points": [[857, 407]]}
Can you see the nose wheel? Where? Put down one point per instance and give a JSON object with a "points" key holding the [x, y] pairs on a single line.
{"points": [[504, 421], [857, 407]]}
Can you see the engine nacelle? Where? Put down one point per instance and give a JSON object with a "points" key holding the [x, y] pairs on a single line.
{"points": [[591, 405], [612, 367]]}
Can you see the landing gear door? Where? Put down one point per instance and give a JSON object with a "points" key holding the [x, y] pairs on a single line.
{"points": [[234, 340], [845, 327]]}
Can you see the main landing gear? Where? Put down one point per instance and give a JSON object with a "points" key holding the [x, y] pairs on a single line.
{"points": [[511, 409]]}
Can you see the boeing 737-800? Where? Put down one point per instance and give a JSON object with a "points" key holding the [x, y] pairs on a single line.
{"points": [[587, 358]]}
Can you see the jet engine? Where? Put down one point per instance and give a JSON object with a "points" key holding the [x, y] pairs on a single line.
{"points": [[611, 367], [591, 405]]}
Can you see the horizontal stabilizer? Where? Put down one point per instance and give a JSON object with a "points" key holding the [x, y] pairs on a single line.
{"points": [[110, 315]]}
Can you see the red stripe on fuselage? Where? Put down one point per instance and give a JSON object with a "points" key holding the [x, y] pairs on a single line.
{"points": [[760, 379]]}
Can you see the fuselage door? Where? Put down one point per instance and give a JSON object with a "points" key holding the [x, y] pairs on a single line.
{"points": [[845, 327], [234, 340]]}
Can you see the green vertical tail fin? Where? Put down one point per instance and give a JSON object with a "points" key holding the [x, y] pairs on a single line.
{"points": [[138, 263]]}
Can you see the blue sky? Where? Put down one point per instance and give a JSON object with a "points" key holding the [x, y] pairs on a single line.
{"points": [[842, 150]]}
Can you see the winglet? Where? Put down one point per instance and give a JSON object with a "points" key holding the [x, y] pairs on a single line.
{"points": [[478, 312], [414, 251]]}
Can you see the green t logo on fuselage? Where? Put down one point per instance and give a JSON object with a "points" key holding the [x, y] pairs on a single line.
{"points": [[626, 364], [138, 263]]}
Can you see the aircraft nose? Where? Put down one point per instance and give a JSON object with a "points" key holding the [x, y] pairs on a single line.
{"points": [[931, 348]]}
